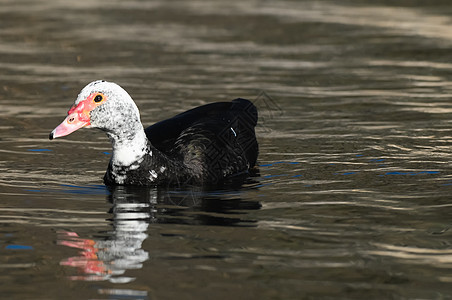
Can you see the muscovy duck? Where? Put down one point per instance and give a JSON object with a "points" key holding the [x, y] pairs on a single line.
{"points": [[202, 146]]}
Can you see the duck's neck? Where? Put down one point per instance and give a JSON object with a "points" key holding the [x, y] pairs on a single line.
{"points": [[128, 148], [135, 161]]}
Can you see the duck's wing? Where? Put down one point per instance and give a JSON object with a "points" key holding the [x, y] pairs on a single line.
{"points": [[221, 119]]}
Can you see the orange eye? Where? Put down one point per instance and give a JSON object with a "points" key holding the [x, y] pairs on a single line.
{"points": [[99, 98]]}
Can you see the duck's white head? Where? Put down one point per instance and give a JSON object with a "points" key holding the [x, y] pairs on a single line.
{"points": [[104, 105]]}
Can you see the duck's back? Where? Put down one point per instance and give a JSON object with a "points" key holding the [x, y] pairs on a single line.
{"points": [[215, 141]]}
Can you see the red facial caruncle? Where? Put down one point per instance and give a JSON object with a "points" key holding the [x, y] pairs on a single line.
{"points": [[78, 116]]}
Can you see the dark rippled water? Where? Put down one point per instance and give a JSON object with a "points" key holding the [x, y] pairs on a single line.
{"points": [[353, 199]]}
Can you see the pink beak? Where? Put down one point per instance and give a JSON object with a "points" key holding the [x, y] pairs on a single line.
{"points": [[77, 118]]}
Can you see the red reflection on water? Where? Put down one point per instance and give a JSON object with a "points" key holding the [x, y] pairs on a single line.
{"points": [[88, 261]]}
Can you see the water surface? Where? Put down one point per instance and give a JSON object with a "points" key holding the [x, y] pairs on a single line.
{"points": [[352, 200]]}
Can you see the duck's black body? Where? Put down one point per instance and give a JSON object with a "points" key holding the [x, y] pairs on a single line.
{"points": [[203, 146]]}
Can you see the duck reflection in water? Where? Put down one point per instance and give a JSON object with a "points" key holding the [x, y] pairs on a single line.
{"points": [[133, 210]]}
